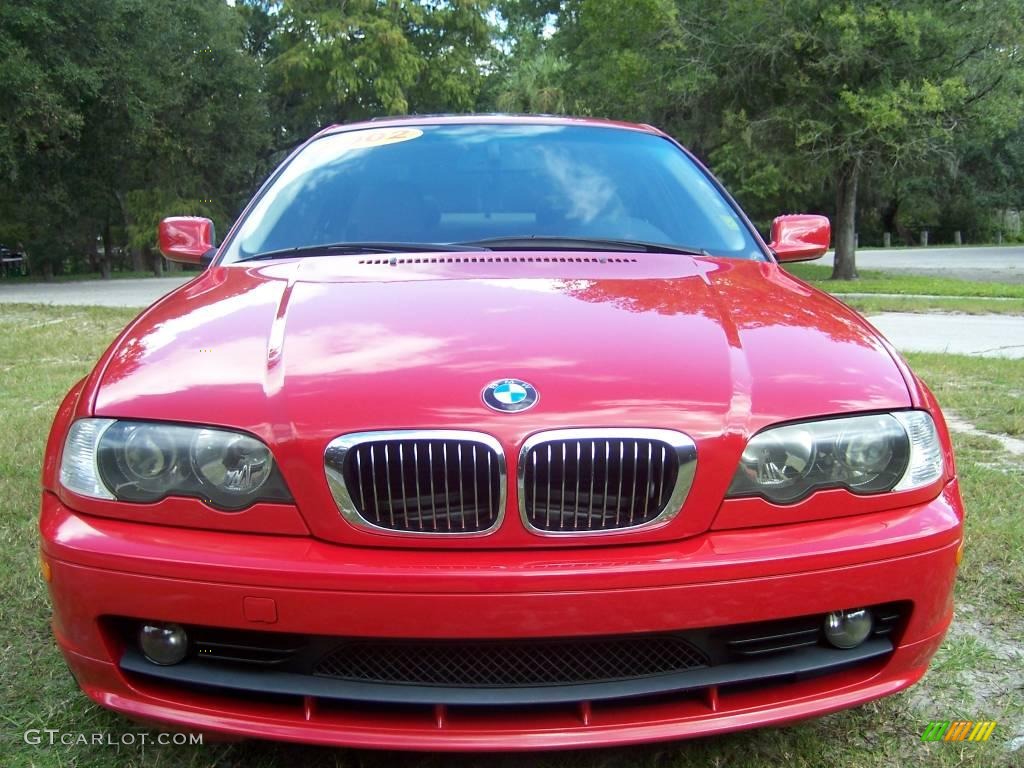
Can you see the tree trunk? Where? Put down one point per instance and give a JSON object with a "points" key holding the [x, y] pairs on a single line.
{"points": [[889, 212], [156, 260], [138, 257], [845, 265]]}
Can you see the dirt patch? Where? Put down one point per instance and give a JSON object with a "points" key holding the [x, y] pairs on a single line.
{"points": [[1010, 444]]}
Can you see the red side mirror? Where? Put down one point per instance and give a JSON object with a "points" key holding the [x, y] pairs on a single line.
{"points": [[188, 239], [800, 237]]}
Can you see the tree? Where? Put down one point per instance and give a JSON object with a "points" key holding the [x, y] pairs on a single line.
{"points": [[199, 144], [46, 73], [873, 83], [334, 62], [801, 94], [533, 85], [908, 112], [156, 98]]}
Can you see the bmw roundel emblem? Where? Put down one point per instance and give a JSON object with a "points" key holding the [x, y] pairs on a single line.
{"points": [[510, 395]]}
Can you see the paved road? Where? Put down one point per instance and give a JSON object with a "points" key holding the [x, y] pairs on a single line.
{"points": [[986, 335], [984, 263], [96, 293], [977, 335], [1004, 263]]}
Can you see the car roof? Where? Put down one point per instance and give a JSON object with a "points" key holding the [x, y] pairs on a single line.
{"points": [[487, 119]]}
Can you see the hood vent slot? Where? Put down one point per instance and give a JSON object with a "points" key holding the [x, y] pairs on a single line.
{"points": [[394, 261]]}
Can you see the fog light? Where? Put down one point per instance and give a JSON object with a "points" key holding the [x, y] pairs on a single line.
{"points": [[848, 629], [163, 644]]}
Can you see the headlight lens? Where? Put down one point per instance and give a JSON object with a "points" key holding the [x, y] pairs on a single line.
{"points": [[238, 464], [865, 454], [147, 461]]}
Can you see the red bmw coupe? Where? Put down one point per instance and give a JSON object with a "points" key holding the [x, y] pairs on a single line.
{"points": [[484, 433]]}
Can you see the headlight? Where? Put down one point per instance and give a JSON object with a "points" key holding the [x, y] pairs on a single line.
{"points": [[145, 461], [865, 454], [237, 464]]}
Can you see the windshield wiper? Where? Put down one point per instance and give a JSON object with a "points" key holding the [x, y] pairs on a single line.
{"points": [[543, 243], [357, 248]]}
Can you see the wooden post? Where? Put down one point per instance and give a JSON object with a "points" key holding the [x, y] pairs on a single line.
{"points": [[924, 238], [887, 240], [957, 240]]}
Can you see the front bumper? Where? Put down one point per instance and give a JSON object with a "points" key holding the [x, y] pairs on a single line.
{"points": [[103, 568]]}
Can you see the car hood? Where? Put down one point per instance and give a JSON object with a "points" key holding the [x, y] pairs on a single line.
{"points": [[648, 340], [301, 351]]}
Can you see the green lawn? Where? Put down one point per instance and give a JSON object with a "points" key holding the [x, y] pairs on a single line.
{"points": [[872, 281], [986, 391], [44, 350], [970, 305]]}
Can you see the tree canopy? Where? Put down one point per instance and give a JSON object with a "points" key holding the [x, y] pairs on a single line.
{"points": [[889, 117], [797, 101]]}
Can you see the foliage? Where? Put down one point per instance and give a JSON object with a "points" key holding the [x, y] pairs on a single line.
{"points": [[890, 117], [162, 106], [165, 108], [798, 100], [331, 62], [534, 85]]}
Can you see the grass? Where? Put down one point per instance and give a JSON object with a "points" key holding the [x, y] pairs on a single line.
{"points": [[921, 305], [43, 350], [986, 391], [992, 485], [873, 281]]}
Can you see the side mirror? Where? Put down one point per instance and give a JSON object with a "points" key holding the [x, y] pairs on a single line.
{"points": [[188, 239], [800, 237]]}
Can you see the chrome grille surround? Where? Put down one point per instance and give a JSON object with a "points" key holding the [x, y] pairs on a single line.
{"points": [[338, 451], [676, 445]]}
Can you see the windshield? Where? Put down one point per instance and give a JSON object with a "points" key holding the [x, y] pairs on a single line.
{"points": [[451, 184]]}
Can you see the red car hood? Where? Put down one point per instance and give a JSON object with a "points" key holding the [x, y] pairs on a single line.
{"points": [[299, 352]]}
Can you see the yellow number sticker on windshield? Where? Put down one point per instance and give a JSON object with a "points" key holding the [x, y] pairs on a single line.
{"points": [[729, 221], [378, 137]]}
